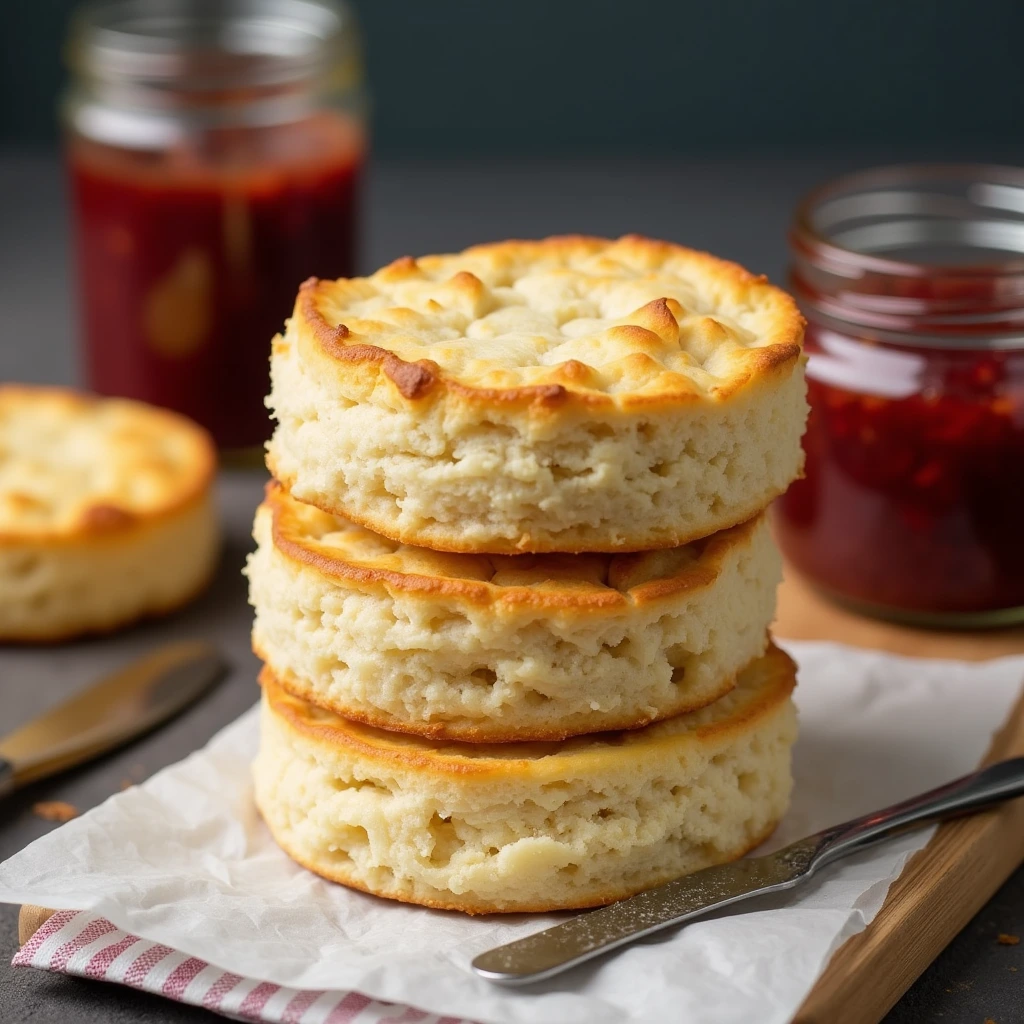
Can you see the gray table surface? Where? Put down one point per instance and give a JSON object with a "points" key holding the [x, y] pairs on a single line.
{"points": [[735, 207]]}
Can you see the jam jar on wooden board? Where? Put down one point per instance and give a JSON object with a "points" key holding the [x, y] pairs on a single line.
{"points": [[214, 155], [912, 283]]}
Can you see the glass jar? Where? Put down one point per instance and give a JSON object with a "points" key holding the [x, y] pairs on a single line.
{"points": [[214, 153], [912, 283]]}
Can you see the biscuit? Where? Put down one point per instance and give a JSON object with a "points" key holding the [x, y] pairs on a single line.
{"points": [[527, 827], [572, 394], [106, 512], [503, 647]]}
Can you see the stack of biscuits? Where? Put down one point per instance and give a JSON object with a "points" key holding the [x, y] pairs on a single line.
{"points": [[514, 575]]}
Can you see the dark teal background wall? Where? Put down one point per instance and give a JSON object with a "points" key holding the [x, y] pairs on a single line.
{"points": [[557, 77]]}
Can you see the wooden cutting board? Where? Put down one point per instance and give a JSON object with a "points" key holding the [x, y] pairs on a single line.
{"points": [[803, 615], [942, 886]]}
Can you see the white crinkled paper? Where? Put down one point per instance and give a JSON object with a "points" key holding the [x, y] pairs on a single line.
{"points": [[184, 859]]}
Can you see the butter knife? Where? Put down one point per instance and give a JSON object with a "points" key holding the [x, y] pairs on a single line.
{"points": [[588, 935], [112, 711]]}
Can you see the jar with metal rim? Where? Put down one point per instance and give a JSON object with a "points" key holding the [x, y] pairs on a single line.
{"points": [[912, 506], [214, 152]]}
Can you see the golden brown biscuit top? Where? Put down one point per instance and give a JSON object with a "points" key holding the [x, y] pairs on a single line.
{"points": [[760, 689], [615, 323], [589, 582], [73, 465]]}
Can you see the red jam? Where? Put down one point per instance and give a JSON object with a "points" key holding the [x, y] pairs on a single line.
{"points": [[912, 506], [189, 260], [913, 499]]}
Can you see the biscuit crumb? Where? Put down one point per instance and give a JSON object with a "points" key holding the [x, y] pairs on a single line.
{"points": [[1007, 940], [55, 810]]}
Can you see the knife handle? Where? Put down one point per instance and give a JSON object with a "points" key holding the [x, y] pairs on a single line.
{"points": [[967, 795]]}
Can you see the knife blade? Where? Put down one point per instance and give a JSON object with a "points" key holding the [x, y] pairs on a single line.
{"points": [[586, 936], [118, 708]]}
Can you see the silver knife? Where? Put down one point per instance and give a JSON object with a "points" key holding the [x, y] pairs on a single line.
{"points": [[110, 712], [586, 936]]}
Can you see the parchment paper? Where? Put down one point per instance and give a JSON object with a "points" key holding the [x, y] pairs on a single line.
{"points": [[184, 859]]}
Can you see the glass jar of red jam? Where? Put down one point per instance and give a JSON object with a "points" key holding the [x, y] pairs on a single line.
{"points": [[912, 283], [214, 152]]}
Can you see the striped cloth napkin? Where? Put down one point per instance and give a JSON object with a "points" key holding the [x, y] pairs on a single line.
{"points": [[79, 943]]}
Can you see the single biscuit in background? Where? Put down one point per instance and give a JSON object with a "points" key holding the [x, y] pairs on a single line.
{"points": [[498, 648], [106, 512], [572, 394], [528, 827]]}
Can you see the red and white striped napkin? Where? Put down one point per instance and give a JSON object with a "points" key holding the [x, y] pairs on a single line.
{"points": [[79, 943]]}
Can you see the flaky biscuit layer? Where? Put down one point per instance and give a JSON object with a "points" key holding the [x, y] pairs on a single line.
{"points": [[500, 647], [536, 827], [571, 394]]}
